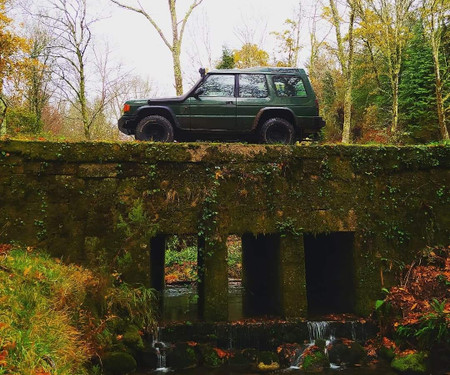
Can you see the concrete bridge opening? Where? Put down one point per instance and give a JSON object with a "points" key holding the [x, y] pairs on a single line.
{"points": [[260, 259], [329, 266]]}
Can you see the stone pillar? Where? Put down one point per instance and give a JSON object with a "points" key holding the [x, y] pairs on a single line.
{"points": [[294, 302], [157, 262], [213, 279]]}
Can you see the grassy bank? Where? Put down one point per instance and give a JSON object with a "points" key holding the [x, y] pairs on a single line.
{"points": [[56, 318]]}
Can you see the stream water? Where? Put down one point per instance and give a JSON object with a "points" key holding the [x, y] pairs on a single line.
{"points": [[180, 304], [225, 371]]}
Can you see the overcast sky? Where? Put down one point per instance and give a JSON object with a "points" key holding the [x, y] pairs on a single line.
{"points": [[213, 24]]}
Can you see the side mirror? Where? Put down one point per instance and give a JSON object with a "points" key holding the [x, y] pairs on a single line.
{"points": [[198, 92]]}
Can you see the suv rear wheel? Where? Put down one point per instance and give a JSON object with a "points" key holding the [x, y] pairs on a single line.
{"points": [[277, 130], [154, 128]]}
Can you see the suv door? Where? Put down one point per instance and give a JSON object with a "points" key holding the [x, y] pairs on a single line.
{"points": [[253, 94], [215, 107]]}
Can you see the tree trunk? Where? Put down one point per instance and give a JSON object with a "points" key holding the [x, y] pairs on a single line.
{"points": [[177, 70], [3, 109], [394, 125], [83, 101], [349, 84]]}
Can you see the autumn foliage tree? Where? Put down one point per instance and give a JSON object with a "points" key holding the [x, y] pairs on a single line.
{"points": [[250, 55], [12, 47]]}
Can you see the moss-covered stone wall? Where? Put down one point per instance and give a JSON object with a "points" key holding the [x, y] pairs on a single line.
{"points": [[101, 203]]}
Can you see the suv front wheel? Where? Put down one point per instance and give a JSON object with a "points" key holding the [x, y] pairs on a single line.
{"points": [[154, 128], [277, 130]]}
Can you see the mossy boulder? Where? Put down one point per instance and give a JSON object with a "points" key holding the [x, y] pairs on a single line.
{"points": [[411, 364], [315, 361], [147, 357], [386, 353], [182, 356], [132, 338], [238, 362], [118, 363], [209, 356], [349, 353], [250, 354]]}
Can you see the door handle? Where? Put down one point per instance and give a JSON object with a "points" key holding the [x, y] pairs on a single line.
{"points": [[229, 102]]}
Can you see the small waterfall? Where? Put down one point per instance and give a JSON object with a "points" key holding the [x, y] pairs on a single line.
{"points": [[353, 330], [160, 349], [230, 339], [316, 330]]}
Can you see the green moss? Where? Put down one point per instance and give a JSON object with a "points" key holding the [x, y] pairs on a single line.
{"points": [[132, 338], [118, 363], [315, 362], [209, 356], [412, 364]]}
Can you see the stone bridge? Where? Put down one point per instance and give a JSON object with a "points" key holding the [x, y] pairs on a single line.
{"points": [[320, 226]]}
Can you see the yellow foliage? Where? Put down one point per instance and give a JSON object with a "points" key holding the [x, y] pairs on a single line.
{"points": [[249, 56], [12, 46]]}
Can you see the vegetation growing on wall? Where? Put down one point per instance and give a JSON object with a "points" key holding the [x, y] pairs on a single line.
{"points": [[414, 316]]}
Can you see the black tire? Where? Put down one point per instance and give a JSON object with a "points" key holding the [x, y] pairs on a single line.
{"points": [[277, 130], [154, 128]]}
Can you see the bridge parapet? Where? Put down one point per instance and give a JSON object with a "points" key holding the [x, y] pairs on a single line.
{"points": [[98, 203]]}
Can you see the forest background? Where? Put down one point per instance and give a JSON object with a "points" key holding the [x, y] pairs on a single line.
{"points": [[380, 68]]}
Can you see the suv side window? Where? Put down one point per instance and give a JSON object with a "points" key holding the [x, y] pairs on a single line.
{"points": [[289, 86], [218, 85], [253, 86]]}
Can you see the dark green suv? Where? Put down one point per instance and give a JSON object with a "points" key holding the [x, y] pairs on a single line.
{"points": [[267, 105]]}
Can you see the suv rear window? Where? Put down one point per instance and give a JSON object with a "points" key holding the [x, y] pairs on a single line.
{"points": [[252, 86], [289, 86]]}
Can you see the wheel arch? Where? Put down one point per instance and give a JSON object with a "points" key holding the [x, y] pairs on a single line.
{"points": [[159, 111], [281, 112]]}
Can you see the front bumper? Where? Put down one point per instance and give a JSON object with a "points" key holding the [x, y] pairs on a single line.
{"points": [[127, 124]]}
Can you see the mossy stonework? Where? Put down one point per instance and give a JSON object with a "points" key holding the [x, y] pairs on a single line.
{"points": [[101, 204]]}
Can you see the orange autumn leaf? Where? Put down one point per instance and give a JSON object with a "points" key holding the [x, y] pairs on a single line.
{"points": [[221, 353]]}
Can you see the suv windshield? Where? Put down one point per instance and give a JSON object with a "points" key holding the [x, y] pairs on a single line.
{"points": [[218, 85]]}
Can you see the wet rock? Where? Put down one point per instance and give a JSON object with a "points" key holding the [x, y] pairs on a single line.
{"points": [[349, 353], [132, 338], [386, 353], [118, 363], [250, 354], [411, 364], [315, 361], [238, 362], [288, 352], [147, 358], [209, 356], [182, 356]]}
